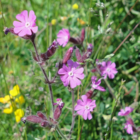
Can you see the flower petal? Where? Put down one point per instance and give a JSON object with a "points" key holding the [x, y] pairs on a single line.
{"points": [[84, 98]]}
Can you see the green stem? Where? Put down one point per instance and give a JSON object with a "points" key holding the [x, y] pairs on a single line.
{"points": [[60, 133], [114, 109], [73, 117]]}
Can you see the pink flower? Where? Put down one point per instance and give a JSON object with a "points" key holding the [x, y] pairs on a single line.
{"points": [[125, 112], [108, 69], [129, 126], [63, 37], [95, 85], [59, 102], [70, 74], [27, 25], [84, 107]]}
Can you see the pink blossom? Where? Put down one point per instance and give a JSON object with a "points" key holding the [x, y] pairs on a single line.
{"points": [[63, 37], [125, 112], [70, 74], [27, 25], [129, 126], [59, 102], [95, 83], [108, 69], [84, 107]]}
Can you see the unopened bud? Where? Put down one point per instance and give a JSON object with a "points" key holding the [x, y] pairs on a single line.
{"points": [[51, 50], [34, 119], [57, 113], [90, 47], [68, 55], [45, 124], [89, 94], [76, 41], [41, 115], [82, 34], [78, 55]]}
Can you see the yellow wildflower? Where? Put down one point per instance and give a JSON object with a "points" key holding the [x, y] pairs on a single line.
{"points": [[53, 22], [5, 99], [75, 6], [8, 110], [19, 113], [81, 21], [20, 100], [15, 91], [11, 72]]}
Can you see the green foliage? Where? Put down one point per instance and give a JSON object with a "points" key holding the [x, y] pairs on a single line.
{"points": [[106, 27]]}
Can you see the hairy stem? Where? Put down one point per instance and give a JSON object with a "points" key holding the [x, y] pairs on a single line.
{"points": [[49, 84], [44, 73], [73, 117], [60, 133]]}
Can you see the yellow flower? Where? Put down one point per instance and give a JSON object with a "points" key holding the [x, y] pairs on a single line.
{"points": [[19, 113], [5, 99], [81, 21], [15, 91], [8, 110], [53, 22], [20, 100], [11, 72], [75, 6]]}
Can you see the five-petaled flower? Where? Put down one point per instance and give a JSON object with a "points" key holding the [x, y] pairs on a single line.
{"points": [[63, 37], [125, 112], [129, 126], [84, 107], [95, 83], [108, 69], [27, 25], [71, 74]]}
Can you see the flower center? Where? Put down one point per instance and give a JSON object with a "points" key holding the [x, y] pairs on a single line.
{"points": [[66, 37], [86, 107], [94, 86], [108, 69], [27, 24], [70, 73], [59, 102]]}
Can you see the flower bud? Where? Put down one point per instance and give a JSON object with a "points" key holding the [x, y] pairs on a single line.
{"points": [[78, 55], [82, 34], [34, 119], [90, 47], [41, 115], [89, 94], [76, 41], [57, 113], [51, 50], [45, 124], [68, 55]]}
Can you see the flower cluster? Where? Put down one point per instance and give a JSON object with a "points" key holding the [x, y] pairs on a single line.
{"points": [[13, 103], [71, 73]]}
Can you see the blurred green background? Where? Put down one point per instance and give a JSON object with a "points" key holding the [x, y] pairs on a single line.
{"points": [[107, 23]]}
